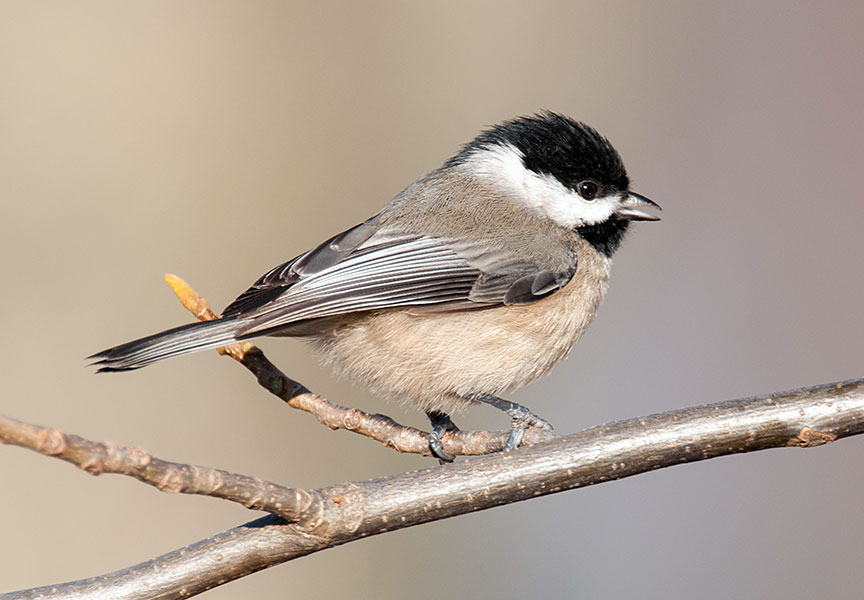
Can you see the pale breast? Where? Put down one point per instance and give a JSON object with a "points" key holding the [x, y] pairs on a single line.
{"points": [[435, 360]]}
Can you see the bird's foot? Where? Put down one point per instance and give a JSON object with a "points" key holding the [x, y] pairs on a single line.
{"points": [[441, 424], [520, 419]]}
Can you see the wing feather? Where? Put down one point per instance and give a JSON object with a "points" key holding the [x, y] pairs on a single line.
{"points": [[361, 270]]}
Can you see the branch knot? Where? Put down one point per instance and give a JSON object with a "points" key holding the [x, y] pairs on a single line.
{"points": [[809, 437], [52, 441]]}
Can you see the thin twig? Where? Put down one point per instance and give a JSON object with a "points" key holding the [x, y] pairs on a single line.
{"points": [[293, 504], [378, 427], [801, 418]]}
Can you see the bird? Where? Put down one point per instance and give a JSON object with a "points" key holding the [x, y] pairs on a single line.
{"points": [[470, 283]]}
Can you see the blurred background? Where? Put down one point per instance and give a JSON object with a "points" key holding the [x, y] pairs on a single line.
{"points": [[217, 139]]}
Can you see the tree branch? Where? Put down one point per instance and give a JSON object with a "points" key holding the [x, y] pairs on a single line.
{"points": [[292, 504], [803, 418]]}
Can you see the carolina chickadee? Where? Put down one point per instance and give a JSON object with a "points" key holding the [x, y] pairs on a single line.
{"points": [[471, 282]]}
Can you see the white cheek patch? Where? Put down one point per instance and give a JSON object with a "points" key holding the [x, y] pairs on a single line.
{"points": [[544, 194]]}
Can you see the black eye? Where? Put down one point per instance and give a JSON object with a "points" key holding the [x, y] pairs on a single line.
{"points": [[588, 190]]}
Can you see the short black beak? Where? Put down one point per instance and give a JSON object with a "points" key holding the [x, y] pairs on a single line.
{"points": [[631, 208]]}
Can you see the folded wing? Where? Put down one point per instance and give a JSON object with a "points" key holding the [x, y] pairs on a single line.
{"points": [[364, 269]]}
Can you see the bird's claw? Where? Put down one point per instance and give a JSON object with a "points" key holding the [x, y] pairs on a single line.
{"points": [[436, 447], [441, 424], [522, 419]]}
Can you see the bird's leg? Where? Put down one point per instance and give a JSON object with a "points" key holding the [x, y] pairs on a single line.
{"points": [[521, 418], [441, 424]]}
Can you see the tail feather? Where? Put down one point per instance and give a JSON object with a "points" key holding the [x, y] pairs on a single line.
{"points": [[173, 342]]}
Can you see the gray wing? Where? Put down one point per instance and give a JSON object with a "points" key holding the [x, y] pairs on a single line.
{"points": [[278, 279], [363, 270]]}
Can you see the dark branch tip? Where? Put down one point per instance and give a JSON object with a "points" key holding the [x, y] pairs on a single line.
{"points": [[276, 385]]}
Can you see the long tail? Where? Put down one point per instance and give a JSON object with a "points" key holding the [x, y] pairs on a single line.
{"points": [[173, 342]]}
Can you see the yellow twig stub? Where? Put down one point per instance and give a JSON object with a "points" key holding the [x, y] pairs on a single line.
{"points": [[198, 306], [190, 299]]}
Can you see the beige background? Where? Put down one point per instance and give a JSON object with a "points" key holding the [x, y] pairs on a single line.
{"points": [[217, 139]]}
